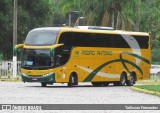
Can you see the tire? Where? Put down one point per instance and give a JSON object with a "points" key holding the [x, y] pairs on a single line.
{"points": [[71, 81], [123, 79], [43, 84], [97, 84], [132, 80]]}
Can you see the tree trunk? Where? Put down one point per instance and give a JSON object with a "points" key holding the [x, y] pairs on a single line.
{"points": [[117, 23], [137, 21], [113, 6]]}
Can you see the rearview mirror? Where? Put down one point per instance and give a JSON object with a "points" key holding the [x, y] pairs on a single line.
{"points": [[16, 48]]}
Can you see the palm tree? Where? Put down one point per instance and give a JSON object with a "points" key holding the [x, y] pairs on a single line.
{"points": [[121, 14], [107, 13]]}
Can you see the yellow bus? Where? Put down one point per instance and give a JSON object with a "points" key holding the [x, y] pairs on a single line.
{"points": [[72, 55]]}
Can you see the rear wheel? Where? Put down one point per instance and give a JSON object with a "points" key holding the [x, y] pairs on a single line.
{"points": [[122, 81], [132, 80], [43, 84]]}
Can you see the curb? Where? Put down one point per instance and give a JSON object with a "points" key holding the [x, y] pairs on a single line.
{"points": [[145, 91]]}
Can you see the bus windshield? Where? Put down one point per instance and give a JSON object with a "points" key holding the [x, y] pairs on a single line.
{"points": [[36, 59], [41, 38]]}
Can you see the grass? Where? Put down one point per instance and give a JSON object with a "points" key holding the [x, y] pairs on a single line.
{"points": [[148, 86], [153, 88]]}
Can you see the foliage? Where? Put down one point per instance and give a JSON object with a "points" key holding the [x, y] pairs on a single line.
{"points": [[31, 14], [131, 15], [155, 56], [1, 57], [6, 26]]}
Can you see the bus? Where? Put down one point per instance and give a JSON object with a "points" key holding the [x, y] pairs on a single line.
{"points": [[72, 55]]}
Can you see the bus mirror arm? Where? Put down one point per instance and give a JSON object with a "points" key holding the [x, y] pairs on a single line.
{"points": [[54, 46], [57, 45], [16, 48]]}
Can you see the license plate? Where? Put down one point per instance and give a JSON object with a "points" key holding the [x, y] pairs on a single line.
{"points": [[34, 78]]}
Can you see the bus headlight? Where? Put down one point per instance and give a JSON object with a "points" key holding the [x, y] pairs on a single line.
{"points": [[24, 74], [63, 76], [48, 74]]}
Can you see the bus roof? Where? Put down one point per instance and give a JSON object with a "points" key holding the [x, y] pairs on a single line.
{"points": [[95, 27], [85, 30]]}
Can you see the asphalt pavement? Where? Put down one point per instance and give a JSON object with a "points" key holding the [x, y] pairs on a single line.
{"points": [[85, 93]]}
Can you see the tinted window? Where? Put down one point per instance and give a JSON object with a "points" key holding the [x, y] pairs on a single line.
{"points": [[66, 39], [143, 41], [99, 40]]}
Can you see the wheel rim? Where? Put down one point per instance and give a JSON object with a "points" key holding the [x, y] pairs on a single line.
{"points": [[72, 78], [123, 80], [131, 79]]}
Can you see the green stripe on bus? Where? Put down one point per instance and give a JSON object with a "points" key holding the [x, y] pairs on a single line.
{"points": [[123, 61]]}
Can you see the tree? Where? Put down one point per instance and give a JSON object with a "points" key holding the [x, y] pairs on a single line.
{"points": [[31, 14], [6, 27], [131, 15], [100, 13]]}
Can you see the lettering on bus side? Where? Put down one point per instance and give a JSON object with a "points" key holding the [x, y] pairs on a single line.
{"points": [[76, 54], [90, 52], [104, 52]]}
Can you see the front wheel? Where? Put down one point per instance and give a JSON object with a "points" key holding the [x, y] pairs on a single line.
{"points": [[71, 81], [43, 84]]}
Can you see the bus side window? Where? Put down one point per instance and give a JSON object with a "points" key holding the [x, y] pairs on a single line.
{"points": [[58, 60], [67, 40], [66, 53], [58, 56], [62, 55]]}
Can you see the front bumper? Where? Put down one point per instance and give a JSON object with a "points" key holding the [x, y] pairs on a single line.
{"points": [[49, 78]]}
